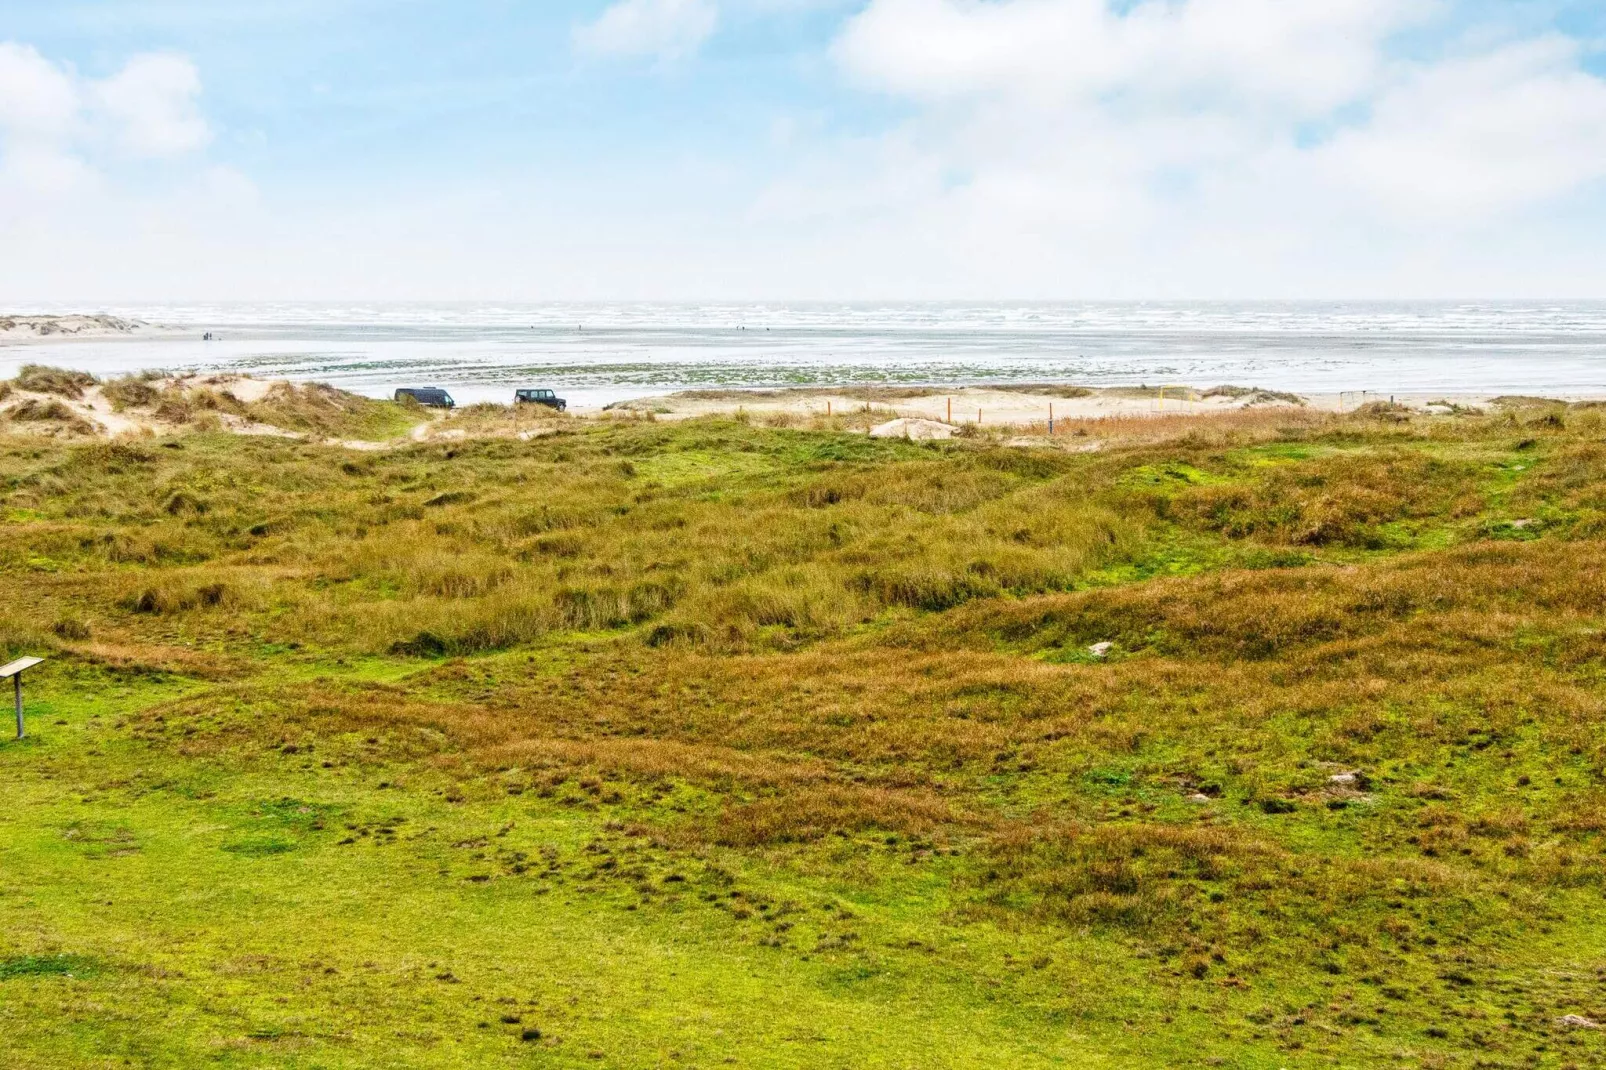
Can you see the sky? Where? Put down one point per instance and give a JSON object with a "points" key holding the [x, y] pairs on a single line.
{"points": [[492, 150]]}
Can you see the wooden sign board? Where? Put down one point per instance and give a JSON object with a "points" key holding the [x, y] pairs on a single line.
{"points": [[8, 671]]}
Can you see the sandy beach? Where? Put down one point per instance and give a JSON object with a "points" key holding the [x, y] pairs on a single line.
{"points": [[601, 355], [935, 410], [1021, 406], [1068, 417]]}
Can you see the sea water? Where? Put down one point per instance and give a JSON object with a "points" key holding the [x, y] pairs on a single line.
{"points": [[595, 354]]}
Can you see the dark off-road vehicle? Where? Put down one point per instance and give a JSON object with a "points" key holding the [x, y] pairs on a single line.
{"points": [[432, 397], [540, 397]]}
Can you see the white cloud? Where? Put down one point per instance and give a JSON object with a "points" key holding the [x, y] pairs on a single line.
{"points": [[148, 108], [37, 98], [153, 105], [1044, 148], [40, 114], [1479, 134], [1080, 146], [666, 29], [65, 141], [1258, 54], [674, 29]]}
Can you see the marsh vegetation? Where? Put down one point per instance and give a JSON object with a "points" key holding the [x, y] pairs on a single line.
{"points": [[636, 744]]}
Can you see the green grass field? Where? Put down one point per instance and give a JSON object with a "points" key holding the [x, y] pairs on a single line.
{"points": [[707, 744]]}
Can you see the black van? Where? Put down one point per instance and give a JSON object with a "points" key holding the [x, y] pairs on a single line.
{"points": [[540, 397], [429, 396]]}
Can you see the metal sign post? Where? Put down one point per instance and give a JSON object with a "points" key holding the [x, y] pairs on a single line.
{"points": [[14, 671]]}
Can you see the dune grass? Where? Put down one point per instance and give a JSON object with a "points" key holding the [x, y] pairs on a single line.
{"points": [[634, 744], [309, 409]]}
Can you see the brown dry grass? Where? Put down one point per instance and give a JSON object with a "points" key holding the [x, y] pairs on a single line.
{"points": [[833, 638], [39, 379]]}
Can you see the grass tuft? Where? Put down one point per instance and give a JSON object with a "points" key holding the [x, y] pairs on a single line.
{"points": [[41, 379]]}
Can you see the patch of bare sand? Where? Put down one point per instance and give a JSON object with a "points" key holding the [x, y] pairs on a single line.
{"points": [[244, 387]]}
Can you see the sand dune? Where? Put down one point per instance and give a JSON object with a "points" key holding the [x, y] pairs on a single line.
{"points": [[1014, 415], [32, 328]]}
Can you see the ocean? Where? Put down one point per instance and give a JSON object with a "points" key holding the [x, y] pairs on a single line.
{"points": [[595, 354]]}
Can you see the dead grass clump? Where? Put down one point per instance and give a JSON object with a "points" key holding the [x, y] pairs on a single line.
{"points": [[63, 382], [187, 590], [807, 602], [181, 403], [490, 418], [922, 587], [605, 607], [1384, 411], [1255, 395], [36, 411], [455, 627], [1265, 614], [171, 598], [1235, 427], [313, 407], [71, 628], [130, 392], [1056, 390], [511, 613], [1127, 875], [1342, 501], [936, 487], [1524, 401], [149, 659], [114, 457], [804, 816], [32, 410]]}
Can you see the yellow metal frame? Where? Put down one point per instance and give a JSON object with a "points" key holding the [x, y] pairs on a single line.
{"points": [[1362, 394], [1188, 399]]}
